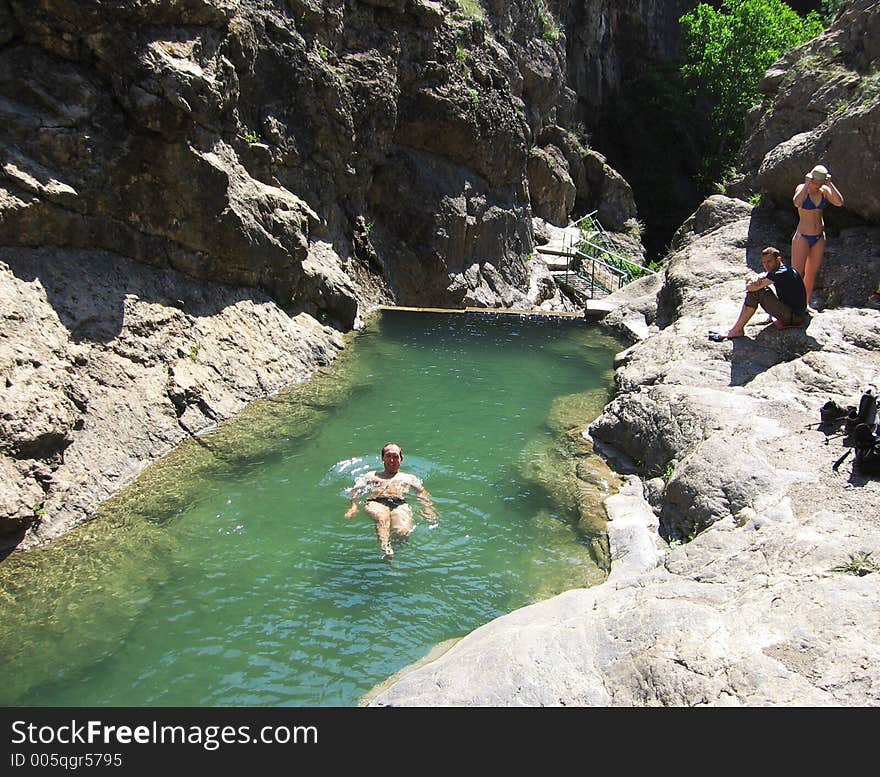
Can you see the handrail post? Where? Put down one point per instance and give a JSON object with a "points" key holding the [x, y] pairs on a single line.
{"points": [[567, 259]]}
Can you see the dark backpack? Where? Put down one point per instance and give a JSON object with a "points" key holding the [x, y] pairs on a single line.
{"points": [[868, 408], [867, 447]]}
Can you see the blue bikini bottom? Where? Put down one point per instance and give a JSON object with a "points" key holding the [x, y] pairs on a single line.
{"points": [[811, 239]]}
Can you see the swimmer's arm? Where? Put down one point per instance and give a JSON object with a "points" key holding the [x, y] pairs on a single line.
{"points": [[800, 194], [428, 508], [360, 488]]}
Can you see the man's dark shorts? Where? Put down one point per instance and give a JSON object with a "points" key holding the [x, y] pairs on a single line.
{"points": [[774, 306]]}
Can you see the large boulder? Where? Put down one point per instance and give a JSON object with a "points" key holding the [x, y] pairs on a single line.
{"points": [[551, 189], [611, 197]]}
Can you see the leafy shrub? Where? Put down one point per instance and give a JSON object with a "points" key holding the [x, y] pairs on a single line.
{"points": [[727, 51], [549, 28]]}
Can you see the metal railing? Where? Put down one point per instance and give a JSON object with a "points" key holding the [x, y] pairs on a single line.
{"points": [[601, 275], [586, 272]]}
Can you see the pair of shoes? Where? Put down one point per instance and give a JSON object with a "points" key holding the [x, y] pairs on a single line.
{"points": [[874, 300]]}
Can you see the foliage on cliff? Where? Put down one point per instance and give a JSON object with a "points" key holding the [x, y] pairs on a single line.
{"points": [[726, 53]]}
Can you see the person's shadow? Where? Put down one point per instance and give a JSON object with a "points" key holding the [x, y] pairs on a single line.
{"points": [[752, 356], [859, 478]]}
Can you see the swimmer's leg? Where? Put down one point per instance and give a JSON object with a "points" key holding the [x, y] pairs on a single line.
{"points": [[382, 516], [402, 520]]}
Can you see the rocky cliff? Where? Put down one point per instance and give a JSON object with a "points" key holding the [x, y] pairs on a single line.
{"points": [[622, 63], [324, 152], [196, 197]]}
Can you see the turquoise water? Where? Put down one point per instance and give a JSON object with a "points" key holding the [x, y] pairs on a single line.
{"points": [[250, 588]]}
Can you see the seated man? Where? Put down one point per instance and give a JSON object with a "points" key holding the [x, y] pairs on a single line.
{"points": [[386, 498], [788, 306]]}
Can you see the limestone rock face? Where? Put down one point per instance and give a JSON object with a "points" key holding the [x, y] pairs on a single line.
{"points": [[224, 139], [821, 105], [551, 189], [106, 364], [615, 203], [616, 48], [703, 630], [640, 29]]}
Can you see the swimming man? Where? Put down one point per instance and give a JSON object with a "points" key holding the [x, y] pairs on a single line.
{"points": [[386, 498]]}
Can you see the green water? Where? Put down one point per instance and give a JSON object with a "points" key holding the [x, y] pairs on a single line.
{"points": [[228, 576]]}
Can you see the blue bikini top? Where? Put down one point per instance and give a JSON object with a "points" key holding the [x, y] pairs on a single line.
{"points": [[810, 205]]}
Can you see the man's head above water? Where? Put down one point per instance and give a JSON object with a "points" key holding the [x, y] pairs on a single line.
{"points": [[392, 457]]}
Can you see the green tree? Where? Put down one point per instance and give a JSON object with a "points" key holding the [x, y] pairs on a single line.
{"points": [[727, 51]]}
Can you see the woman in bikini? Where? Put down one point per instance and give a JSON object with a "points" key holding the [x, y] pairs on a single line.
{"points": [[808, 244]]}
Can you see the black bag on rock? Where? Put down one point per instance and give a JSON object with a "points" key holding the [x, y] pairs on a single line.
{"points": [[868, 408], [867, 447], [868, 460]]}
